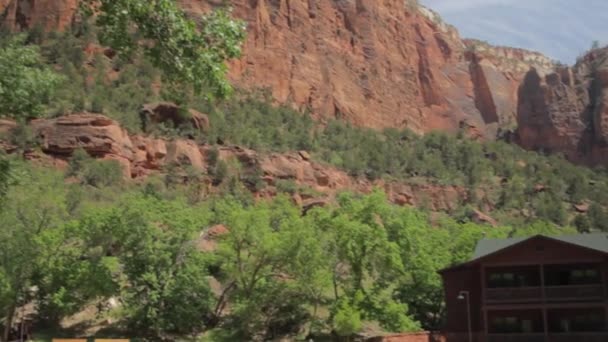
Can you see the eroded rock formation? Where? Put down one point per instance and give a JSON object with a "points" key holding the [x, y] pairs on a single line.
{"points": [[375, 63], [141, 156], [566, 111], [46, 14]]}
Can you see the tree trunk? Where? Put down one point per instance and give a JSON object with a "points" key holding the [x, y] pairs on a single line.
{"points": [[8, 323]]}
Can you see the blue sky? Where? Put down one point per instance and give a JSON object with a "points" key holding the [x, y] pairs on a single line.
{"points": [[561, 29]]}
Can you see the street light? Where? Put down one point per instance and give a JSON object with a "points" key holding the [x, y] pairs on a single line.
{"points": [[464, 295]]}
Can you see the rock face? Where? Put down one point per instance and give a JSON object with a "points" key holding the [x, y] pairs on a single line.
{"points": [[140, 156], [47, 14], [97, 134], [375, 63], [567, 111], [169, 113]]}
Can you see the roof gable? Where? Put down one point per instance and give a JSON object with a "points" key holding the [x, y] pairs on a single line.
{"points": [[597, 242]]}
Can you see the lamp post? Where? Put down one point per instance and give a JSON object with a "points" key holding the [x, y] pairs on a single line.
{"points": [[464, 295]]}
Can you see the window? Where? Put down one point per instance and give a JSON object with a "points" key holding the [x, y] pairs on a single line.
{"points": [[505, 325], [527, 326], [585, 276], [512, 324], [576, 322], [513, 279], [564, 275]]}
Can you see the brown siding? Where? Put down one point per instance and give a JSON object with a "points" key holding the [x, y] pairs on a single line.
{"points": [[538, 251], [410, 337], [467, 279], [533, 252]]}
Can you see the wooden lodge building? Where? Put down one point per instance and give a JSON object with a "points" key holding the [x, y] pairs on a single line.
{"points": [[537, 289]]}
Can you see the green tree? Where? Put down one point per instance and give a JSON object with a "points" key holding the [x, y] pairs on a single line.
{"points": [[4, 176], [168, 288], [360, 243], [425, 250], [185, 54], [347, 319], [582, 224], [598, 217], [35, 207], [26, 83], [97, 173], [275, 264]]}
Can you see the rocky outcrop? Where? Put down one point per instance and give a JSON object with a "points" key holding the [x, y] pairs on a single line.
{"points": [[378, 64], [208, 240], [46, 14], [141, 156], [566, 111], [170, 114]]}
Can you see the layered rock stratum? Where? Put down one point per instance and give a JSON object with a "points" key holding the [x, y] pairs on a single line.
{"points": [[141, 156], [375, 63], [394, 63], [567, 111]]}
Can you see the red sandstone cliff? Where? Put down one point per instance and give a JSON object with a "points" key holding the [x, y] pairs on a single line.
{"points": [[48, 14], [567, 111], [140, 156], [375, 63]]}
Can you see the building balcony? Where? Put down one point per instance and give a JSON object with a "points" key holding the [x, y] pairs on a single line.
{"points": [[551, 337], [514, 294], [581, 337], [516, 338], [574, 293], [551, 293]]}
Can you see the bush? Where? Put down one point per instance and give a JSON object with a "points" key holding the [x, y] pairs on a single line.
{"points": [[347, 319], [97, 173], [23, 136], [102, 173], [286, 186], [26, 83]]}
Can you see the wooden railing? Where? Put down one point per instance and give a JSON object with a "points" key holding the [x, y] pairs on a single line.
{"points": [[540, 337], [552, 337], [579, 337], [515, 294], [577, 292], [552, 293]]}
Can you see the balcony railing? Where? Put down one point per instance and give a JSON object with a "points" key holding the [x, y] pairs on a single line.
{"points": [[578, 292], [552, 293], [552, 337], [580, 337], [516, 338], [515, 294]]}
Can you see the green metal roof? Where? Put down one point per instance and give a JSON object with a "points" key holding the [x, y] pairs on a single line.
{"points": [[596, 241]]}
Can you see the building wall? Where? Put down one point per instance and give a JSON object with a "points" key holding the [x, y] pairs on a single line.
{"points": [[467, 279], [411, 337]]}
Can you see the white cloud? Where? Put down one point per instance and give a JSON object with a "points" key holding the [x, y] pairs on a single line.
{"points": [[461, 5], [562, 29]]}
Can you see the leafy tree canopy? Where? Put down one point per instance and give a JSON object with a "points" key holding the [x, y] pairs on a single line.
{"points": [[26, 83], [186, 54]]}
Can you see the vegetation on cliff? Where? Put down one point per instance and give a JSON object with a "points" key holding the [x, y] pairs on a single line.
{"points": [[514, 185], [231, 267], [66, 247]]}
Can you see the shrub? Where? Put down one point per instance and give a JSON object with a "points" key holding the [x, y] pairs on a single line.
{"points": [[26, 83], [97, 173], [101, 173]]}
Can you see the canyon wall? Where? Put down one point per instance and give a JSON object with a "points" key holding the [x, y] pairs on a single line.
{"points": [[392, 63], [375, 63], [141, 156], [567, 111]]}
